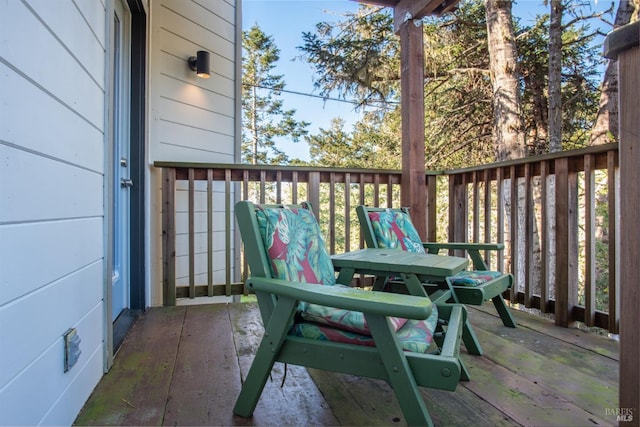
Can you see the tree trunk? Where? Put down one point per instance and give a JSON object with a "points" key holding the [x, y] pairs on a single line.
{"points": [[605, 129], [507, 125], [555, 77], [540, 112]]}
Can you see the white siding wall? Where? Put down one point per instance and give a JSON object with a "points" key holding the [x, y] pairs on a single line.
{"points": [[51, 205], [191, 119]]}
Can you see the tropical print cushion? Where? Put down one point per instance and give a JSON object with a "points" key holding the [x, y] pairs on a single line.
{"points": [[473, 278], [295, 245], [414, 336], [394, 230], [347, 320], [298, 254]]}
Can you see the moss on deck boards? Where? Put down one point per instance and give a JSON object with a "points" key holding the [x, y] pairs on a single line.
{"points": [[183, 366]]}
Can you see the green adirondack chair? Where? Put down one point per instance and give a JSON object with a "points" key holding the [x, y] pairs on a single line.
{"points": [[392, 228], [311, 321]]}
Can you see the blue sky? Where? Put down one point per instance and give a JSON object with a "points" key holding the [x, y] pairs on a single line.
{"points": [[286, 20]]}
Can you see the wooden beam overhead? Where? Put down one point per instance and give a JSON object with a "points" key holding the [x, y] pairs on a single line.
{"points": [[418, 9], [413, 9]]}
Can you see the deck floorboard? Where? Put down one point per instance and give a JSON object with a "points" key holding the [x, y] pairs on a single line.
{"points": [[184, 366]]}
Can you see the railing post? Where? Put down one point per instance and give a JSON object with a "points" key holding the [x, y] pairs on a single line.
{"points": [[169, 236], [566, 242], [623, 44], [458, 210], [544, 237], [432, 213], [313, 192]]}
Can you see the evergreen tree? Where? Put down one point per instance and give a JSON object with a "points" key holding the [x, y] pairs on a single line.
{"points": [[359, 57], [264, 119]]}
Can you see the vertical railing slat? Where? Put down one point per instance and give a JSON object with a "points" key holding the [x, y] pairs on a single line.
{"points": [[227, 226], [590, 241], [544, 237], [332, 215], [500, 214], [562, 238], [614, 284], [192, 237], [347, 211], [210, 232], [528, 237], [513, 232], [468, 221], [476, 208], [486, 179], [432, 208], [169, 236]]}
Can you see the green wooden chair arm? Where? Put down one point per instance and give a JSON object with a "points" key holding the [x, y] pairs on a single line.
{"points": [[381, 303], [436, 246], [473, 249]]}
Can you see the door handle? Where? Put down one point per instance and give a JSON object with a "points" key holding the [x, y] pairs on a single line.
{"points": [[126, 183]]}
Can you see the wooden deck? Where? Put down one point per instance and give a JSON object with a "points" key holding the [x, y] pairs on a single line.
{"points": [[182, 366]]}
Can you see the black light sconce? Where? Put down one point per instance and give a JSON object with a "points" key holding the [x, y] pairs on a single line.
{"points": [[200, 64]]}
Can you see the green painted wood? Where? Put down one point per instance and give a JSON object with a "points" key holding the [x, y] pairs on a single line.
{"points": [[400, 375], [266, 355], [356, 299], [296, 401], [279, 299], [466, 295], [393, 261]]}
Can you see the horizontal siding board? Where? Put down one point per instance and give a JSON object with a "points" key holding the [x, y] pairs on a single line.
{"points": [[65, 78], [72, 398], [62, 394], [43, 252], [62, 303], [200, 28], [212, 16], [75, 32], [94, 13], [59, 133], [196, 117], [209, 99], [179, 153], [57, 190]]}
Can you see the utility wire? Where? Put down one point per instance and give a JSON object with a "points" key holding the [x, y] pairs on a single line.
{"points": [[326, 98]]}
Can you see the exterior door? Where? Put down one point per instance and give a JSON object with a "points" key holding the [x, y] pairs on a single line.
{"points": [[121, 169]]}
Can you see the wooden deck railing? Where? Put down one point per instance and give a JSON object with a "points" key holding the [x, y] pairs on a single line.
{"points": [[561, 248]]}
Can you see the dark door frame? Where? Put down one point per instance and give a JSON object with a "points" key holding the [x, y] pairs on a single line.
{"points": [[137, 296]]}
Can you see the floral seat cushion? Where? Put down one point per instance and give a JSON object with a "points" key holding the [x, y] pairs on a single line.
{"points": [[295, 246], [394, 229], [414, 335], [473, 278], [297, 253]]}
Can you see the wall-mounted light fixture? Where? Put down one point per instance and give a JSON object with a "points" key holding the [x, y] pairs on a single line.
{"points": [[200, 64]]}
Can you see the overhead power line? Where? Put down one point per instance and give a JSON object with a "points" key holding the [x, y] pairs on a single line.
{"points": [[325, 98]]}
